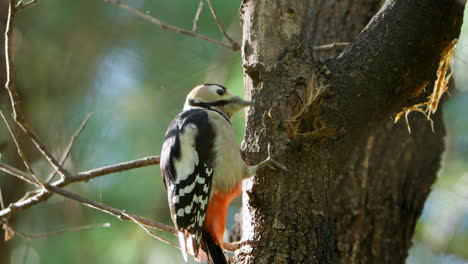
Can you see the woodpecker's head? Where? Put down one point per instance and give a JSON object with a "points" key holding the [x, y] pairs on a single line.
{"points": [[215, 96]]}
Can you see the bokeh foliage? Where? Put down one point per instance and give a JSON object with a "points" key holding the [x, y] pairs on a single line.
{"points": [[75, 57]]}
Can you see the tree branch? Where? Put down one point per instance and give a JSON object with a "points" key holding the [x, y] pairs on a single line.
{"points": [[37, 181], [66, 153], [122, 215], [59, 232], [87, 175], [46, 193], [1, 199], [21, 5], [18, 116], [391, 61], [235, 45], [43, 195], [170, 27], [197, 15], [151, 233], [17, 173]]}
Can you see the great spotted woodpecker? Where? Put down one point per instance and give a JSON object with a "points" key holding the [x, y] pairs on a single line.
{"points": [[203, 170]]}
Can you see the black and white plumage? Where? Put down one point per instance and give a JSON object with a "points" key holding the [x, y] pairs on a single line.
{"points": [[188, 167], [203, 169]]}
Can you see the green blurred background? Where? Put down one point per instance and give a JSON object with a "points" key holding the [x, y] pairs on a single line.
{"points": [[76, 57]]}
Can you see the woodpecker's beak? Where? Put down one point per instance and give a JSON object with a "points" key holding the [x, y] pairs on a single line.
{"points": [[236, 100], [235, 105]]}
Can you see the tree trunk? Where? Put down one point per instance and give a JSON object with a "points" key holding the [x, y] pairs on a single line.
{"points": [[358, 181]]}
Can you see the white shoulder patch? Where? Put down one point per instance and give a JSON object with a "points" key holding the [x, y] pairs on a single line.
{"points": [[188, 154]]}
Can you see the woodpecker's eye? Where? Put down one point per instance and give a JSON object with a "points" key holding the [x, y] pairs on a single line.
{"points": [[220, 91]]}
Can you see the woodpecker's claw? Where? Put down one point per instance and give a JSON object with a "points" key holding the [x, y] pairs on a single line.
{"points": [[275, 165], [270, 162]]}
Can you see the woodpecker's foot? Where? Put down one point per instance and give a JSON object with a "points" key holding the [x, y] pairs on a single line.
{"points": [[270, 162], [232, 246]]}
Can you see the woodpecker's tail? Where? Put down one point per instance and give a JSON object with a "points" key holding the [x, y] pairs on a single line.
{"points": [[214, 251]]}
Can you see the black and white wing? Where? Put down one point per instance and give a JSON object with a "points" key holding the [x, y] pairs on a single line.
{"points": [[187, 165]]}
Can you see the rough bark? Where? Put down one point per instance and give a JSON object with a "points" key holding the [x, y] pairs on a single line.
{"points": [[358, 181]]}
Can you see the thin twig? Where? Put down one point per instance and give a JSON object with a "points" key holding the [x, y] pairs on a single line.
{"points": [[234, 44], [21, 5], [7, 229], [66, 153], [61, 231], [42, 148], [122, 215], [1, 199], [197, 15], [49, 189], [42, 195], [338, 45], [169, 27], [17, 173], [150, 232], [28, 194], [20, 151], [87, 175], [45, 193], [14, 98], [16, 110]]}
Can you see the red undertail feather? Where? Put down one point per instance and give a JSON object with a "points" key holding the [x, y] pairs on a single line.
{"points": [[215, 224]]}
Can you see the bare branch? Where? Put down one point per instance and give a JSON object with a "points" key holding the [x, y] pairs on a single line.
{"points": [[42, 148], [59, 232], [69, 146], [42, 195], [150, 232], [14, 98], [197, 16], [20, 151], [327, 47], [17, 173], [1, 199], [22, 5], [8, 231], [87, 175], [29, 194], [49, 189], [169, 27], [122, 215], [9, 74], [235, 45]]}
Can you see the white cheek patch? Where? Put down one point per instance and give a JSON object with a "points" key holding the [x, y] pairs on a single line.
{"points": [[188, 154]]}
